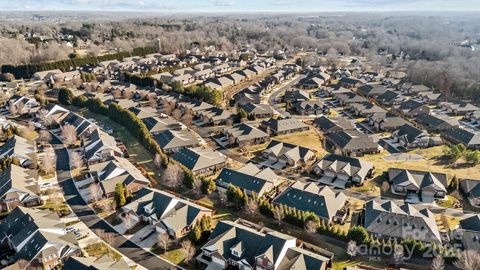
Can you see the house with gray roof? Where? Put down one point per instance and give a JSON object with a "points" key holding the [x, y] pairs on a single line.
{"points": [[416, 89], [365, 109], [104, 262], [117, 170], [81, 124], [21, 149], [172, 141], [330, 91], [468, 137], [389, 220], [250, 178], [390, 98], [282, 154], [293, 95], [343, 170], [143, 112], [200, 160], [471, 189], [310, 107], [370, 90], [309, 197], [215, 116], [162, 122], [430, 97], [247, 246], [329, 125], [418, 186], [469, 232], [98, 146], [193, 106], [283, 126], [411, 137], [436, 122], [311, 82], [168, 213], [349, 83], [257, 110], [458, 107], [243, 134], [348, 98], [386, 121], [18, 186], [412, 108], [38, 237], [351, 143]]}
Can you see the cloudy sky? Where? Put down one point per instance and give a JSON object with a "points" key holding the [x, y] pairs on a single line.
{"points": [[242, 5]]}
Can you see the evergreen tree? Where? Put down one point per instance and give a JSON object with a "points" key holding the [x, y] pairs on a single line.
{"points": [[120, 199], [65, 96]]}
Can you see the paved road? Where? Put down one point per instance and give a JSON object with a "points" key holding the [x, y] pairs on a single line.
{"points": [[274, 96], [88, 216]]}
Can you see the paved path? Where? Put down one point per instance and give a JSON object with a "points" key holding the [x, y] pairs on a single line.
{"points": [[88, 216]]}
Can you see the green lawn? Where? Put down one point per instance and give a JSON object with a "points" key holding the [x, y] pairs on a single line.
{"points": [[175, 256], [99, 249]]}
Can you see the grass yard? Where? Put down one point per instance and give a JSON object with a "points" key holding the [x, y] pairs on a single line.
{"points": [[99, 249], [308, 139], [175, 256], [27, 133]]}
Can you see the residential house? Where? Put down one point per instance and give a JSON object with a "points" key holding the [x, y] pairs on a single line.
{"points": [[215, 116], [311, 82], [168, 213], [250, 178], [143, 112], [98, 146], [423, 186], [310, 107], [193, 106], [386, 121], [351, 143], [283, 126], [183, 79], [309, 197], [21, 149], [471, 189], [411, 137], [348, 98], [96, 263], [161, 123], [349, 83], [235, 77], [348, 170], [416, 89], [469, 233], [430, 97], [436, 122], [473, 117], [412, 108], [39, 237], [244, 134], [333, 90], [172, 141], [22, 104], [370, 90], [468, 137], [387, 219], [282, 154], [248, 246], [200, 160], [293, 95], [117, 170], [203, 74], [390, 98], [122, 102], [257, 110], [458, 107], [329, 125], [44, 75], [82, 126], [365, 109], [18, 186], [165, 77]]}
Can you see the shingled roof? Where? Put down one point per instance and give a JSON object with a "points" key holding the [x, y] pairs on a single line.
{"points": [[249, 177], [199, 158]]}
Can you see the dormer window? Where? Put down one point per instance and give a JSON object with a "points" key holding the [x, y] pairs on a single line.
{"points": [[148, 210]]}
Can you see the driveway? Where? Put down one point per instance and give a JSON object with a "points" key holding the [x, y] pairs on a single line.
{"points": [[92, 221]]}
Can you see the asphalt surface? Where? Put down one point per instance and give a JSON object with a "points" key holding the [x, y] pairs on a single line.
{"points": [[88, 216]]}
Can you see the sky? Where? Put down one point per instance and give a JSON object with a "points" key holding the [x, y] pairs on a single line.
{"points": [[169, 6]]}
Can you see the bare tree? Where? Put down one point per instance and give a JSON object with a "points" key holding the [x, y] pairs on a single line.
{"points": [[22, 263], [44, 137], [157, 161], [20, 108], [163, 240], [105, 236], [173, 175], [352, 248], [166, 107], [45, 118], [177, 114], [251, 207], [398, 253], [152, 101], [116, 93], [69, 134], [438, 263], [311, 227], [12, 109], [94, 192], [279, 215], [49, 160], [189, 250], [76, 160], [468, 260], [187, 118]]}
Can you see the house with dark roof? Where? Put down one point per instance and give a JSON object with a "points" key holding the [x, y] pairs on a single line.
{"points": [[349, 83], [95, 263], [244, 134], [247, 246], [81, 125], [193, 106], [365, 109], [250, 178], [469, 232], [348, 98], [468, 137], [389, 220], [418, 186], [283, 126], [471, 189], [458, 107], [309, 197], [416, 89], [200, 160], [143, 112], [311, 82], [21, 149], [168, 213], [390, 98], [386, 121], [430, 97], [285, 154], [351, 143], [37, 236], [172, 141], [18, 186], [98, 146], [411, 137], [328, 125], [412, 108], [22, 104], [370, 90], [162, 122], [334, 89], [436, 122], [257, 110], [310, 107], [215, 116], [117, 170], [348, 170], [293, 95]]}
